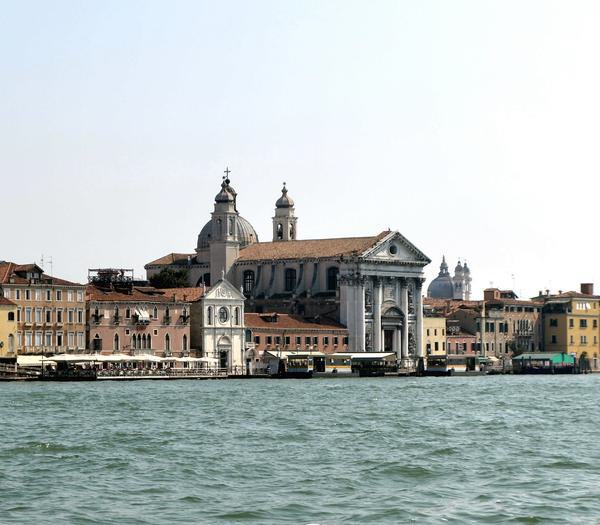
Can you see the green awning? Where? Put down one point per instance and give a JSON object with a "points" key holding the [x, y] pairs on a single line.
{"points": [[554, 358]]}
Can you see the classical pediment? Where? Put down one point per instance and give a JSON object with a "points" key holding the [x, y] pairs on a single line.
{"points": [[396, 247], [224, 290]]}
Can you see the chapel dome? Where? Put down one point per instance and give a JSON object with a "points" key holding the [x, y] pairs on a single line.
{"points": [[246, 233], [284, 201]]}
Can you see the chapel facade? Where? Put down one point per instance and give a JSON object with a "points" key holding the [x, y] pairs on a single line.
{"points": [[372, 285]]}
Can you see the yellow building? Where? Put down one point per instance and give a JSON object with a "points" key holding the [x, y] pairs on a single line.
{"points": [[8, 328], [434, 334], [572, 324]]}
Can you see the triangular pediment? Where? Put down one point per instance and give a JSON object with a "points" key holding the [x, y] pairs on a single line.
{"points": [[396, 247], [224, 290]]}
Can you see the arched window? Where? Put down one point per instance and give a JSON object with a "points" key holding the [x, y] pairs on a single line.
{"points": [[116, 342], [167, 312], [11, 316], [209, 315], [155, 312], [116, 312], [279, 231], [149, 341], [236, 316], [167, 343], [290, 279], [231, 225], [127, 313], [248, 281], [139, 341], [332, 278], [133, 342], [219, 227], [185, 347]]}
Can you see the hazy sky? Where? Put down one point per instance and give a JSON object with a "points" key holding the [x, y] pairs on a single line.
{"points": [[472, 127]]}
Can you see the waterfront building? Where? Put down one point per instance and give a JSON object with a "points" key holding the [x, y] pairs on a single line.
{"points": [[285, 332], [445, 286], [571, 324], [217, 329], [434, 332], [8, 329], [458, 340], [133, 318], [372, 285], [51, 315]]}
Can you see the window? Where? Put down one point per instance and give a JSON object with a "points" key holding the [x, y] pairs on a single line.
{"points": [[59, 295], [48, 295], [38, 295], [315, 341], [18, 315], [28, 314], [237, 316], [326, 340], [38, 339], [257, 339], [595, 323], [307, 341], [116, 342], [209, 315], [249, 281], [287, 340], [80, 341], [70, 296], [38, 315], [582, 323], [436, 346], [269, 340], [571, 339], [80, 296], [17, 294], [70, 316], [59, 316], [79, 315], [48, 315], [584, 339], [428, 332], [127, 313], [332, 278], [290, 279], [167, 343], [346, 340], [7, 294], [298, 340], [335, 340], [571, 323], [28, 295], [277, 340], [11, 316], [185, 343], [28, 339]]}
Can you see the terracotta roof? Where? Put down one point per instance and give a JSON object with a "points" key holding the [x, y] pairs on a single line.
{"points": [[190, 295], [136, 295], [172, 258], [312, 248], [6, 302], [8, 271], [288, 321]]}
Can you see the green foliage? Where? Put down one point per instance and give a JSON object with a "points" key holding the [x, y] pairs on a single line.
{"points": [[170, 278]]}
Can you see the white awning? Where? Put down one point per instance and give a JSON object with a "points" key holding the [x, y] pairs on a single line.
{"points": [[142, 314], [34, 360]]}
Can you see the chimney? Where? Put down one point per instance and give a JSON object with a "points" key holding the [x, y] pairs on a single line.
{"points": [[547, 292], [587, 288], [540, 293]]}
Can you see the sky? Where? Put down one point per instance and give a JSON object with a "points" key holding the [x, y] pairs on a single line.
{"points": [[472, 127]]}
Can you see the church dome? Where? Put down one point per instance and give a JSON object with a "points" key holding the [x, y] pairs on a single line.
{"points": [[245, 233], [441, 288], [284, 201]]}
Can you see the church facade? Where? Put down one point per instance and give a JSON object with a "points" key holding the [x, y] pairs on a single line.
{"points": [[372, 285]]}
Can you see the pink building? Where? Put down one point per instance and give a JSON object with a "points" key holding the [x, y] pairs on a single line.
{"points": [[130, 319]]}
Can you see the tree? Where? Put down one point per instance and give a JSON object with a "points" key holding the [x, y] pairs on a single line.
{"points": [[170, 278]]}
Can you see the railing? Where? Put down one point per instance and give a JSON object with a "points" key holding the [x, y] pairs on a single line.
{"points": [[163, 372]]}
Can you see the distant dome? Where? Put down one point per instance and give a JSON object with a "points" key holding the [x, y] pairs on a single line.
{"points": [[459, 268], [442, 286], [284, 201], [245, 233]]}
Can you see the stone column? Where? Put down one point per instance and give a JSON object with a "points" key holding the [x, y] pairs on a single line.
{"points": [[377, 300], [359, 317], [404, 307], [419, 315]]}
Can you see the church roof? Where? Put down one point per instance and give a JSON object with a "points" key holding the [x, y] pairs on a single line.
{"points": [[172, 258], [312, 248]]}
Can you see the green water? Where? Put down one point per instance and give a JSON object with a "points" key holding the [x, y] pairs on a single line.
{"points": [[322, 451]]}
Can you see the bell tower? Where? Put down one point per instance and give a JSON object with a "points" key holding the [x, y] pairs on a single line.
{"points": [[224, 244], [284, 221]]}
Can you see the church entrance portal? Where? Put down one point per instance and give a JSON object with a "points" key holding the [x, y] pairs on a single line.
{"points": [[223, 358], [388, 340]]}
